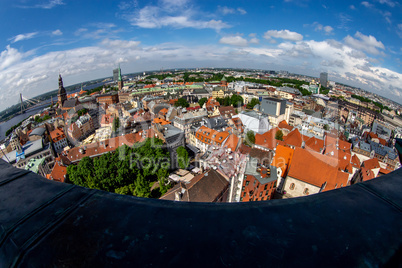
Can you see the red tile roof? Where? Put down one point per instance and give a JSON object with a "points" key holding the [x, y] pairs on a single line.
{"points": [[342, 145], [384, 171], [316, 169], [193, 108], [107, 119], [367, 174], [163, 111], [284, 124], [371, 163], [58, 173], [315, 144], [173, 101], [283, 158], [57, 134], [232, 142], [355, 161], [208, 136], [267, 140], [206, 187], [238, 124], [161, 121], [109, 145], [294, 138], [383, 142]]}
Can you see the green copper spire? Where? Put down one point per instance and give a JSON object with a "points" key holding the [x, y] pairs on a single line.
{"points": [[119, 73]]}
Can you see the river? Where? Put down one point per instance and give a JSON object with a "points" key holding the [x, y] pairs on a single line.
{"points": [[15, 120]]}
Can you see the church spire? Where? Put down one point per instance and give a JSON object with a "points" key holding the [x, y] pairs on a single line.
{"points": [[120, 79], [62, 95]]}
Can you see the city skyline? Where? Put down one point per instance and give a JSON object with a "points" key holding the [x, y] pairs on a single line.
{"points": [[86, 41]]}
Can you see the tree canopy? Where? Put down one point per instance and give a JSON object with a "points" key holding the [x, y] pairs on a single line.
{"points": [[128, 170], [116, 124], [250, 137], [202, 101], [279, 135], [235, 101], [252, 103], [182, 157], [182, 103]]}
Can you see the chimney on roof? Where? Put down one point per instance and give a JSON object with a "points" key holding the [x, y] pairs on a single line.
{"points": [[177, 196]]}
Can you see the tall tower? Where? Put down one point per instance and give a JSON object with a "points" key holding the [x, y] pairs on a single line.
{"points": [[324, 79], [120, 81], [62, 95]]}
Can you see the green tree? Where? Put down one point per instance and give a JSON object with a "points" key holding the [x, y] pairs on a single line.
{"points": [[250, 137], [182, 157], [128, 170], [82, 112], [252, 103], [116, 124], [182, 103], [279, 135], [141, 187], [326, 127], [202, 101], [236, 100]]}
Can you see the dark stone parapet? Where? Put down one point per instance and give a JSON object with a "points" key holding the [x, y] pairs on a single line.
{"points": [[51, 224]]}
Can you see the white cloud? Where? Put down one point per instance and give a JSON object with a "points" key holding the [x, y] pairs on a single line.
{"points": [[36, 75], [365, 43], [46, 5], [328, 29], [234, 41], [22, 37], [226, 10], [57, 32], [367, 4], [352, 7], [9, 57], [319, 27], [241, 11], [399, 30], [254, 41], [170, 13], [283, 34], [388, 2]]}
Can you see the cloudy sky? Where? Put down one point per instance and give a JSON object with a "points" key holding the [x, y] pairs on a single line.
{"points": [[356, 42]]}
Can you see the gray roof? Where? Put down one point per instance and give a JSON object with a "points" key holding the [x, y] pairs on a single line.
{"points": [[200, 91], [70, 103], [39, 131], [365, 146], [30, 148], [251, 169], [215, 123]]}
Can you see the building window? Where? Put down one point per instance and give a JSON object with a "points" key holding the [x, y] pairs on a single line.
{"points": [[306, 192], [247, 182], [241, 198], [292, 186], [266, 185], [260, 194], [243, 188]]}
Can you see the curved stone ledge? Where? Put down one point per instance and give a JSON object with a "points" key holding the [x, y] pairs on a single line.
{"points": [[45, 224]]}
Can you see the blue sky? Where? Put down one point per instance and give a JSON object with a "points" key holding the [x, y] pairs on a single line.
{"points": [[356, 42]]}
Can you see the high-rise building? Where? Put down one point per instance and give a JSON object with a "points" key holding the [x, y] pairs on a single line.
{"points": [[324, 79], [62, 95], [116, 75]]}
